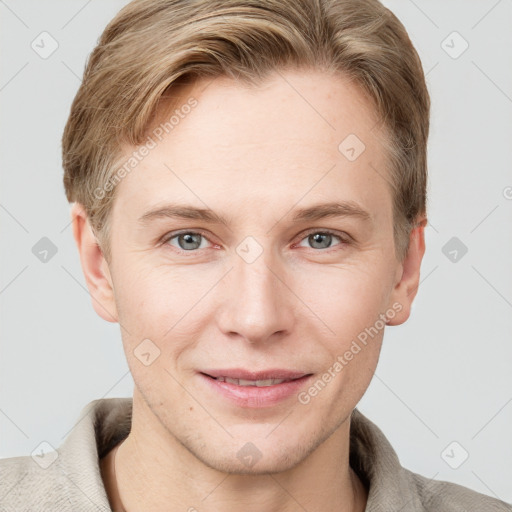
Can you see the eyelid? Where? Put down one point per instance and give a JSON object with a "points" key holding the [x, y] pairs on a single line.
{"points": [[326, 231], [172, 234], [344, 237]]}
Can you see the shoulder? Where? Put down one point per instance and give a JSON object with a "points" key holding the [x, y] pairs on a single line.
{"points": [[67, 478], [25, 483], [436, 495], [394, 487]]}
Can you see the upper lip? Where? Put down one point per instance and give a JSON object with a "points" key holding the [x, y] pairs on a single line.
{"points": [[240, 373]]}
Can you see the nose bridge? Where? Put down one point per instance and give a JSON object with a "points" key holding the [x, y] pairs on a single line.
{"points": [[256, 303]]}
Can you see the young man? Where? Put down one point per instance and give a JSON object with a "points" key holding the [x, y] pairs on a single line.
{"points": [[249, 189]]}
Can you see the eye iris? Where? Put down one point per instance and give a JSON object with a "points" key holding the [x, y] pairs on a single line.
{"points": [[320, 238], [189, 238], [317, 240]]}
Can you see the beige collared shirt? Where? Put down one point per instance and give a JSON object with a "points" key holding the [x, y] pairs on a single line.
{"points": [[69, 480]]}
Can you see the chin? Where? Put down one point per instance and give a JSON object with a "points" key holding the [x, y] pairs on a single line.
{"points": [[235, 464], [262, 455]]}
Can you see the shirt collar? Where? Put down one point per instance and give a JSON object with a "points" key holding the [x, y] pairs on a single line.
{"points": [[106, 422]]}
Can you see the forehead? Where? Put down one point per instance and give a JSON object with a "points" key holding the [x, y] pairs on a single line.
{"points": [[292, 105], [285, 136]]}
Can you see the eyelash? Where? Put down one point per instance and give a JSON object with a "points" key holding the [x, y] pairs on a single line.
{"points": [[344, 240]]}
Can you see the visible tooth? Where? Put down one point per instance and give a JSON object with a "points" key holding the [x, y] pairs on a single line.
{"points": [[258, 383], [244, 382], [267, 382]]}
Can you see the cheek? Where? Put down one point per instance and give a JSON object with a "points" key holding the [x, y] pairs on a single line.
{"points": [[347, 298], [151, 296], [349, 301], [152, 313], [161, 304], [349, 304]]}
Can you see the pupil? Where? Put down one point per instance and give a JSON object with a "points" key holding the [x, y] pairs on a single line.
{"points": [[317, 238], [189, 238]]}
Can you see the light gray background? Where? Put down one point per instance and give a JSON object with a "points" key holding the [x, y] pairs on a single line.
{"points": [[444, 376]]}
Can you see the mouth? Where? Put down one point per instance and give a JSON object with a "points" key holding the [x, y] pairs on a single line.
{"points": [[242, 377], [261, 383], [245, 388]]}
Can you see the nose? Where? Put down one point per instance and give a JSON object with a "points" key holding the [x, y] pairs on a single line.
{"points": [[258, 304]]}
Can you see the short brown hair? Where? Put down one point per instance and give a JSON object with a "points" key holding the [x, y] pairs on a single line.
{"points": [[152, 46]]}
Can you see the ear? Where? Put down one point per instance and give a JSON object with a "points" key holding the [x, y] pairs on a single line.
{"points": [[94, 266], [408, 274]]}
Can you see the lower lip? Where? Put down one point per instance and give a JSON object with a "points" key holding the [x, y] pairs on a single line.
{"points": [[253, 396]]}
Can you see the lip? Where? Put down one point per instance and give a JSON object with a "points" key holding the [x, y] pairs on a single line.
{"points": [[253, 396], [241, 373]]}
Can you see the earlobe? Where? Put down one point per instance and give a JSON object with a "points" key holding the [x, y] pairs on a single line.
{"points": [[94, 266], [409, 274]]}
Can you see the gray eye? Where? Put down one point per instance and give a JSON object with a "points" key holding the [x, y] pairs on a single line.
{"points": [[320, 240], [189, 241]]}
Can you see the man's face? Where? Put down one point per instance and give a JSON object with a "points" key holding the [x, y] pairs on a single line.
{"points": [[265, 291]]}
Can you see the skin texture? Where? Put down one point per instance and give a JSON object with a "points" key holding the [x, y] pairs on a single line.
{"points": [[253, 156]]}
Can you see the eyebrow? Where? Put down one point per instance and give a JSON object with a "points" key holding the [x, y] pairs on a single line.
{"points": [[333, 209], [311, 213]]}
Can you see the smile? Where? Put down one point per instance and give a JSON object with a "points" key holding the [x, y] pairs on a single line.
{"points": [[243, 388], [258, 383]]}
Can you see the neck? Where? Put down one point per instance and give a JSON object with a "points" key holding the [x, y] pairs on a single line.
{"points": [[154, 471]]}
